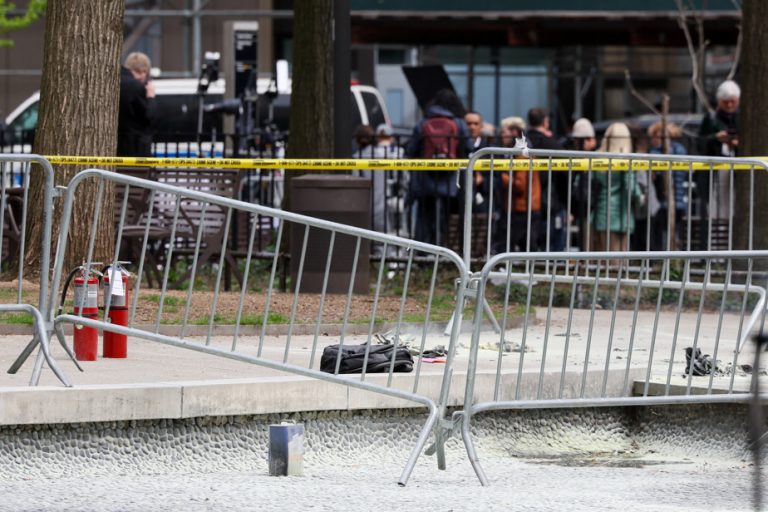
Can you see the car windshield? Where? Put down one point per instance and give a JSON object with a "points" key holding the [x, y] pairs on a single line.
{"points": [[27, 120]]}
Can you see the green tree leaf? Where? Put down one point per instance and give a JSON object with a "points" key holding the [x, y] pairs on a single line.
{"points": [[8, 23]]}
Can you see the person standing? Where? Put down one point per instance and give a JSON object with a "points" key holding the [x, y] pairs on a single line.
{"points": [[540, 137], [137, 107], [475, 126], [719, 132], [442, 134], [388, 210], [679, 184], [519, 197], [364, 142], [613, 219], [718, 136], [364, 138], [582, 139]]}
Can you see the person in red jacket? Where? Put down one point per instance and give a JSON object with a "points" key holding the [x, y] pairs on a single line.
{"points": [[515, 196]]}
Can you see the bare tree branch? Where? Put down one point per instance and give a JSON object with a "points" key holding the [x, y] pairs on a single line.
{"points": [[637, 95], [736, 55], [697, 55]]}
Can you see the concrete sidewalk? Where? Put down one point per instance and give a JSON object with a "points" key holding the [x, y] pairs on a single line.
{"points": [[159, 381]]}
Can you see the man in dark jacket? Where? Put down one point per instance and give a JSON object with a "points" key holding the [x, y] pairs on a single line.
{"points": [[555, 193], [718, 136], [441, 134], [474, 122], [137, 105]]}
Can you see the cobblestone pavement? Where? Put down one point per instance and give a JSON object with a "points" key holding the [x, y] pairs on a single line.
{"points": [[655, 459], [552, 485]]}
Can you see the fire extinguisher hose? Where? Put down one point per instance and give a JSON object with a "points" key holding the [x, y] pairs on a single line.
{"points": [[67, 282]]}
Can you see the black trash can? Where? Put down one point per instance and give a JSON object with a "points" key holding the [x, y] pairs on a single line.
{"points": [[337, 198]]}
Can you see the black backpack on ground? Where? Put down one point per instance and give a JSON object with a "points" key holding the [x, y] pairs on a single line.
{"points": [[379, 359], [702, 363]]}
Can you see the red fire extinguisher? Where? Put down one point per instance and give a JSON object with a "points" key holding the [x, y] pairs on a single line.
{"points": [[86, 303], [116, 296]]}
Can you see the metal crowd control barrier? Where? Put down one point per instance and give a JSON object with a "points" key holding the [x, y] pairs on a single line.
{"points": [[723, 283], [615, 329], [570, 183], [552, 194], [319, 239], [15, 173]]}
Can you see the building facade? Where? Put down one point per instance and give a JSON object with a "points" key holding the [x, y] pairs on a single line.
{"points": [[502, 57]]}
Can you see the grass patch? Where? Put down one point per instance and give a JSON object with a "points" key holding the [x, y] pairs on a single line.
{"points": [[365, 321], [9, 293], [277, 318], [413, 318], [203, 320], [169, 300], [273, 318], [16, 318], [251, 319]]}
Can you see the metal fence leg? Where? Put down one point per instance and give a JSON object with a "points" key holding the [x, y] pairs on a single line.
{"points": [[488, 312], [420, 443], [37, 370], [44, 354], [63, 342], [469, 444], [449, 325], [440, 447], [19, 362]]}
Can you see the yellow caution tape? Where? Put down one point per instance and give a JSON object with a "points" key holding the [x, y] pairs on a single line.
{"points": [[319, 164]]}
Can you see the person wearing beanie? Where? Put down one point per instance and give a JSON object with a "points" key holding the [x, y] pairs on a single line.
{"points": [[583, 135], [582, 138]]}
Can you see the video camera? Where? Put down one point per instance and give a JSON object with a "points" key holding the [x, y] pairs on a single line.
{"points": [[209, 71], [226, 107]]}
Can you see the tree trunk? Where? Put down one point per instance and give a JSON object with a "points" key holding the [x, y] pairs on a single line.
{"points": [[753, 130], [311, 118], [79, 100]]}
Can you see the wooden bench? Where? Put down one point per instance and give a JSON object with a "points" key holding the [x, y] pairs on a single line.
{"points": [[191, 215]]}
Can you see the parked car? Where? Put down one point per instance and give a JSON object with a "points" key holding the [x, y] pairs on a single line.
{"points": [[176, 119]]}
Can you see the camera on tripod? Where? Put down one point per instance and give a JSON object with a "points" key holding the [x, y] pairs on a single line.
{"points": [[209, 71]]}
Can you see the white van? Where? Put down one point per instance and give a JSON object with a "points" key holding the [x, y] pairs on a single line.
{"points": [[176, 117]]}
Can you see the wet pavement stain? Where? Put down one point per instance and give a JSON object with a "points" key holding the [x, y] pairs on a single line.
{"points": [[605, 462]]}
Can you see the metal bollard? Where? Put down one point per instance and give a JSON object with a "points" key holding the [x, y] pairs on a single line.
{"points": [[286, 449]]}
